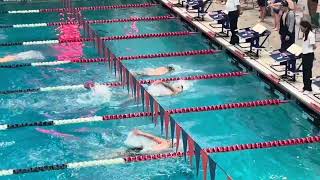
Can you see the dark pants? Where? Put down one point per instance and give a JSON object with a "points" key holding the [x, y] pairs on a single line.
{"points": [[285, 44], [307, 63], [233, 19]]}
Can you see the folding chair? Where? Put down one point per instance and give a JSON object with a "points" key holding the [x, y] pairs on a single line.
{"points": [[252, 36], [288, 60], [200, 6], [220, 17]]}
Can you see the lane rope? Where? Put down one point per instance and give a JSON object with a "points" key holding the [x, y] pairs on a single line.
{"points": [[258, 103], [108, 38], [91, 8], [117, 84], [102, 21], [97, 60], [170, 155]]}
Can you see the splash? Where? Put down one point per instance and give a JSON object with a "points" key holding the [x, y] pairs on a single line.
{"points": [[98, 95], [135, 141], [160, 90]]}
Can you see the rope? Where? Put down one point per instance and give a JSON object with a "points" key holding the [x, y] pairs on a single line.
{"points": [[92, 8], [110, 38], [26, 43], [96, 60], [135, 36], [117, 84], [153, 18], [171, 54], [268, 102], [171, 155]]}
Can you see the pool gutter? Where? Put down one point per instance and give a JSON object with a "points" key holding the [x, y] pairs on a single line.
{"points": [[313, 107]]}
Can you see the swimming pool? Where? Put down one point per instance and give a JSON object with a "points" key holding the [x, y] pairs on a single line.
{"points": [[28, 147]]}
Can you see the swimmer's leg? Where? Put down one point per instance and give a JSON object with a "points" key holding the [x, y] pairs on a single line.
{"points": [[7, 59]]}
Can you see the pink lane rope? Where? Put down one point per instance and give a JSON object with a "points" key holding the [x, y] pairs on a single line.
{"points": [[132, 19], [240, 147]]}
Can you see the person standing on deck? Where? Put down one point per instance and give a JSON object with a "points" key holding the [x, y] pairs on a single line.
{"points": [[308, 48], [287, 27], [234, 11]]}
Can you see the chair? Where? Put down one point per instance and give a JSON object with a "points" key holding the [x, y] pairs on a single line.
{"points": [[220, 17], [252, 36], [200, 6]]}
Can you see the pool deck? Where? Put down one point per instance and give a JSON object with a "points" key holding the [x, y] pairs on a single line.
{"points": [[248, 19]]}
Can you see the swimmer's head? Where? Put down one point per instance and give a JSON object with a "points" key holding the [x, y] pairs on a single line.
{"points": [[170, 68], [180, 87]]}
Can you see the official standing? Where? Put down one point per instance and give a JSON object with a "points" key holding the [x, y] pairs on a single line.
{"points": [[234, 11], [308, 47]]}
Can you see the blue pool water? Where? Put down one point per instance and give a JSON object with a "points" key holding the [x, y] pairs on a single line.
{"points": [[27, 147]]}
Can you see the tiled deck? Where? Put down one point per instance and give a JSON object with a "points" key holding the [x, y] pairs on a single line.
{"points": [[248, 19]]}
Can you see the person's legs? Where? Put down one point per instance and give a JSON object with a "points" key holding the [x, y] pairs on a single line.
{"points": [[233, 19], [307, 63]]}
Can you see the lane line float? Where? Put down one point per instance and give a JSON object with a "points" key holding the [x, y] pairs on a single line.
{"points": [[117, 84], [102, 21], [141, 158], [249, 104], [91, 8], [107, 38], [97, 60]]}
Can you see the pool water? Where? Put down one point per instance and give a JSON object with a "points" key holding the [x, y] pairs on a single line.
{"points": [[27, 147]]}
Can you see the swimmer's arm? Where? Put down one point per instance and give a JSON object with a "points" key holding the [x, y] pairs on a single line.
{"points": [[169, 87], [151, 137]]}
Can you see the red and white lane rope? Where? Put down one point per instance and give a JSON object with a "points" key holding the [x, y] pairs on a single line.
{"points": [[141, 158], [96, 60], [117, 84], [91, 8], [103, 21], [108, 38], [259, 103]]}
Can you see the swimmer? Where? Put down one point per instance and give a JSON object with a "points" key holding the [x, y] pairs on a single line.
{"points": [[156, 71], [159, 88], [23, 56], [144, 143]]}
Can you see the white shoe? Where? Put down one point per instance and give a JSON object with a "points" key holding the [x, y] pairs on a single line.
{"points": [[307, 92]]}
